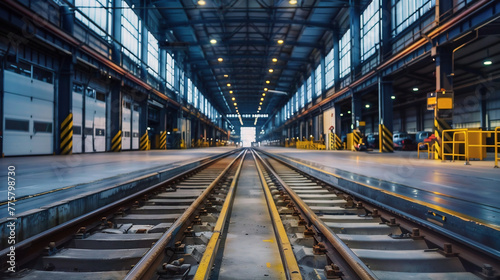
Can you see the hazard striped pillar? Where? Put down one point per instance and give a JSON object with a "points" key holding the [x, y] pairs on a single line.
{"points": [[331, 141], [67, 135], [439, 126], [385, 139], [338, 142], [356, 137], [144, 142], [116, 142], [163, 141]]}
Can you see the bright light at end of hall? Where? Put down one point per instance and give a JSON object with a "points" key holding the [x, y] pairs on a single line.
{"points": [[415, 89], [275, 59], [201, 2], [487, 62], [213, 41], [271, 70], [220, 59]]}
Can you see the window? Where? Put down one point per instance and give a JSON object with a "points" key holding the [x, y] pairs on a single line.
{"points": [[89, 131], [297, 97], [44, 127], [99, 13], [196, 94], [153, 54], [345, 54], [99, 132], [370, 34], [406, 12], [100, 96], [309, 89], [303, 95], [317, 80], [329, 71], [202, 104], [181, 83], [77, 130], [42, 75], [131, 32], [17, 125], [170, 71], [189, 91], [126, 134]]}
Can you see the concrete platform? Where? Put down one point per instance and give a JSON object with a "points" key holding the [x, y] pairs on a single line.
{"points": [[471, 190], [75, 174]]}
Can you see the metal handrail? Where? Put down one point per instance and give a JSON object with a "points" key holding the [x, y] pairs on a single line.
{"points": [[418, 149], [355, 263], [497, 145], [454, 141]]}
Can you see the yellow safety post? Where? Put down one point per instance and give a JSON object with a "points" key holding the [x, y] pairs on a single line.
{"points": [[386, 144], [163, 140], [67, 135], [143, 143], [116, 142]]}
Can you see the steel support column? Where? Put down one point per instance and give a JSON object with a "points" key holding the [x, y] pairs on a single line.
{"points": [[385, 91]]}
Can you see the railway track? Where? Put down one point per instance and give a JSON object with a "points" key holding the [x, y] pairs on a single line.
{"points": [[175, 230], [363, 242], [128, 240]]}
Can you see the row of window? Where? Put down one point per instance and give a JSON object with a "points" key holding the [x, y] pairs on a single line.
{"points": [[404, 13], [99, 13], [24, 126]]}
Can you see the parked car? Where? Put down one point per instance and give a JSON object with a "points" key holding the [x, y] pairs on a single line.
{"points": [[397, 139], [372, 140], [421, 135]]}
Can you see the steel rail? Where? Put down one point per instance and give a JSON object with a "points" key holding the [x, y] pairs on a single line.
{"points": [[207, 261], [31, 247], [290, 264], [146, 267], [356, 264]]}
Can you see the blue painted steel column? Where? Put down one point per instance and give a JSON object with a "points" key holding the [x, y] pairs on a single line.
{"points": [[115, 120], [64, 124], [385, 30], [336, 59], [323, 76], [385, 91], [355, 20], [163, 72], [116, 32], [144, 41]]}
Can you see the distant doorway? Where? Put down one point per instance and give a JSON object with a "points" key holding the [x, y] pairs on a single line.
{"points": [[247, 136]]}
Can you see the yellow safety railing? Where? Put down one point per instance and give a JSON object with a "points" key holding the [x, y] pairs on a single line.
{"points": [[497, 145], [456, 144], [428, 150], [311, 144]]}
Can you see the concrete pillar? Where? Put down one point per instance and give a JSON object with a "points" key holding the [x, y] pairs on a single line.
{"points": [[116, 14], [355, 20], [356, 105]]}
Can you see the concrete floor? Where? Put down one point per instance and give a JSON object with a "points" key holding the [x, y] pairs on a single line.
{"points": [[250, 250]]}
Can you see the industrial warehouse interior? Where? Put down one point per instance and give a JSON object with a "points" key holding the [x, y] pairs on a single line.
{"points": [[250, 139]]}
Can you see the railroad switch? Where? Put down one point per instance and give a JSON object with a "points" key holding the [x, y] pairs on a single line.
{"points": [[319, 249], [447, 250], [332, 271]]}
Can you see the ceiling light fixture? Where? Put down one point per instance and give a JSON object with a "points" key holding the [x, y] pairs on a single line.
{"points": [[262, 99], [271, 70], [275, 59], [367, 106], [265, 89], [393, 97], [263, 94], [228, 85], [235, 104], [268, 82], [487, 62], [233, 98], [226, 75], [415, 89], [202, 3], [220, 59], [213, 41], [292, 2], [280, 41], [260, 103], [230, 92]]}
